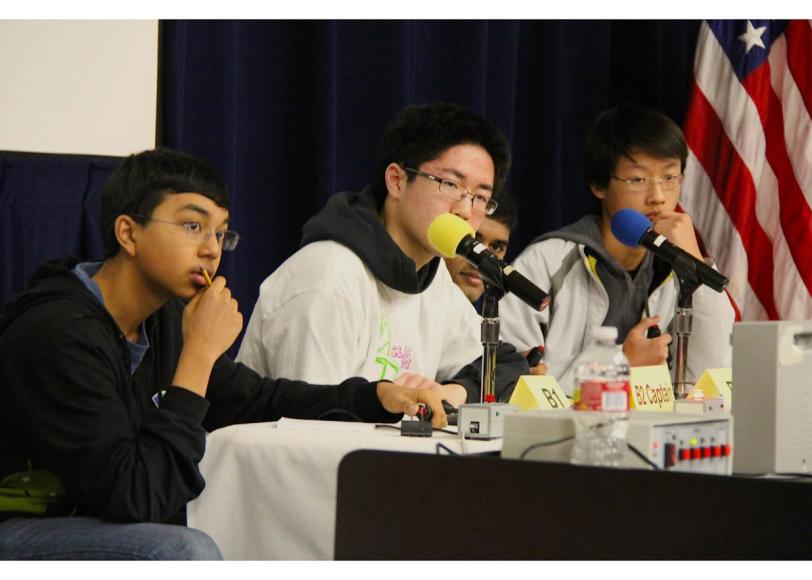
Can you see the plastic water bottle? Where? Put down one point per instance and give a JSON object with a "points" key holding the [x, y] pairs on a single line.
{"points": [[601, 402]]}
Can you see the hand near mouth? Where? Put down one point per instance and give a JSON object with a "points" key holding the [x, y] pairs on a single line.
{"points": [[679, 229]]}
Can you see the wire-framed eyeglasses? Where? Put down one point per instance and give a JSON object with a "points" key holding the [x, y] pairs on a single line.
{"points": [[641, 184], [454, 191], [195, 232]]}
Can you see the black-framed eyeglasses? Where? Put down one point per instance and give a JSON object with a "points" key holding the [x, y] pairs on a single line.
{"points": [[641, 184], [454, 191], [195, 232]]}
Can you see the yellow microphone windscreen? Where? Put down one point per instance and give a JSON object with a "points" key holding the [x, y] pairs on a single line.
{"points": [[446, 231]]}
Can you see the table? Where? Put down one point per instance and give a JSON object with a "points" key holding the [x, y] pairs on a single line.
{"points": [[506, 509], [271, 487]]}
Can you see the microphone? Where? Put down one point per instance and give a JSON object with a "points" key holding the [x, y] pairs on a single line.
{"points": [[633, 229], [452, 236]]}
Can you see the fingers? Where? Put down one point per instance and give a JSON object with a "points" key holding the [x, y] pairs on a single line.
{"points": [[644, 351], [647, 323], [438, 418], [539, 369], [398, 398], [416, 381], [679, 229]]}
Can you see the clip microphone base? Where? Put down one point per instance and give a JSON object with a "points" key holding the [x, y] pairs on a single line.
{"points": [[484, 421]]}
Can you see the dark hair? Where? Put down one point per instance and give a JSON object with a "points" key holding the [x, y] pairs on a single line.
{"points": [[140, 183], [507, 213], [423, 132], [627, 128]]}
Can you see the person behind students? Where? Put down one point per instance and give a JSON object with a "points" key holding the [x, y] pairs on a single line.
{"points": [[634, 158], [112, 372], [367, 294], [494, 234]]}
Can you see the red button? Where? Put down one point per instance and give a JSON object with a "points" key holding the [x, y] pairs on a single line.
{"points": [[684, 454], [696, 453], [717, 451], [706, 452], [725, 450], [670, 454]]}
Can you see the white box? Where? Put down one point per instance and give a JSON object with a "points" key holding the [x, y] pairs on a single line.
{"points": [[546, 436], [772, 388]]}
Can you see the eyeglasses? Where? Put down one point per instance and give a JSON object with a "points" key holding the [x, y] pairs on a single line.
{"points": [[195, 232], [641, 184], [455, 191]]}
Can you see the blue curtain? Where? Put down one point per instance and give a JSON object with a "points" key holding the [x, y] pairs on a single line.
{"points": [[49, 208], [292, 111]]}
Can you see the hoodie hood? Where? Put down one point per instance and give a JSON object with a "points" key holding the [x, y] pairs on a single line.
{"points": [[627, 291], [51, 281], [586, 231], [353, 220]]}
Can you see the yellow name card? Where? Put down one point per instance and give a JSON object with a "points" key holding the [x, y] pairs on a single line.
{"points": [[717, 383], [539, 392], [651, 389]]}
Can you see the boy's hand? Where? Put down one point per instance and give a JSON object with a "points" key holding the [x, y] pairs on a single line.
{"points": [[642, 351], [211, 321], [679, 229], [535, 355], [452, 392], [399, 398]]}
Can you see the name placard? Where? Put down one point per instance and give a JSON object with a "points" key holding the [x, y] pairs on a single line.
{"points": [[651, 389], [539, 392], [717, 383]]}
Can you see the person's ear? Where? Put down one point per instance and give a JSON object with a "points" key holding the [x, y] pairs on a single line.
{"points": [[598, 192], [125, 228], [395, 178]]}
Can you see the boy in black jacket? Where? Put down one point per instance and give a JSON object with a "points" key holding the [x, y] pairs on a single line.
{"points": [[109, 381]]}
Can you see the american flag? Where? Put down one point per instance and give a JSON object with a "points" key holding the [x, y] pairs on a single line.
{"points": [[748, 184]]}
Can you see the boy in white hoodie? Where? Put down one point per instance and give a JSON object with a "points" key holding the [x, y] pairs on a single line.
{"points": [[367, 295]]}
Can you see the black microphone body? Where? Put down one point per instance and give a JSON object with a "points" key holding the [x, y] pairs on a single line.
{"points": [[683, 263], [496, 272]]}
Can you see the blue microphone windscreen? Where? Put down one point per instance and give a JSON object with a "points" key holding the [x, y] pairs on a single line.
{"points": [[629, 225]]}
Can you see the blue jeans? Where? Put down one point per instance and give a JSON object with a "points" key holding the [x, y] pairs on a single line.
{"points": [[94, 539]]}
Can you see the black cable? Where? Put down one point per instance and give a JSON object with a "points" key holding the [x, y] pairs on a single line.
{"points": [[634, 450], [448, 450], [631, 447], [384, 426], [544, 444], [446, 431]]}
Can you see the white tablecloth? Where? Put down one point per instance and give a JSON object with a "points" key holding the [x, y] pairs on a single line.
{"points": [[271, 487]]}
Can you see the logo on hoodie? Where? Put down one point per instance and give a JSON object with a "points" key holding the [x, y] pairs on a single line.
{"points": [[391, 358]]}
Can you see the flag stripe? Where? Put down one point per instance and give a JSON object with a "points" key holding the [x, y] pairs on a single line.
{"points": [[793, 209], [749, 131], [715, 231], [797, 123], [799, 49], [733, 183]]}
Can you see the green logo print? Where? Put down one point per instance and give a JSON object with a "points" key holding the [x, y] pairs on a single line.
{"points": [[384, 359]]}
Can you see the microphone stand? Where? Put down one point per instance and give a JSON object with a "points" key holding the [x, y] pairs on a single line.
{"points": [[685, 271], [485, 420], [490, 342]]}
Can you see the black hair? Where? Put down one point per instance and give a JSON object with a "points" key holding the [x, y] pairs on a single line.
{"points": [[627, 128], [142, 181], [421, 133], [507, 213]]}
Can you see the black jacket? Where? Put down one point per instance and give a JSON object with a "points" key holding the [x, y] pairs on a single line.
{"points": [[70, 404], [353, 220]]}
